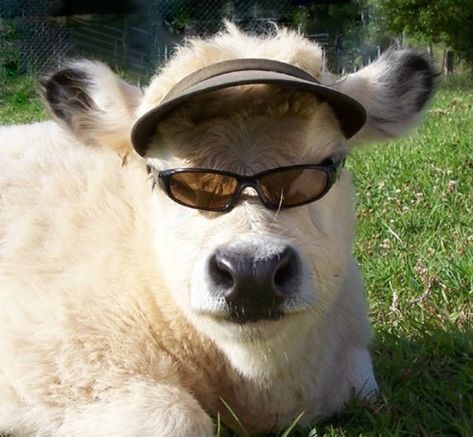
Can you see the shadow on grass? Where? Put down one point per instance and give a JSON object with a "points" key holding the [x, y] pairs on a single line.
{"points": [[426, 387]]}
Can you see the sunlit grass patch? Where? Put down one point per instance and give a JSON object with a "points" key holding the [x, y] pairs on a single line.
{"points": [[19, 102]]}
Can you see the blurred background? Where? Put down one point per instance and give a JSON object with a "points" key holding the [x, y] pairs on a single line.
{"points": [[135, 36]]}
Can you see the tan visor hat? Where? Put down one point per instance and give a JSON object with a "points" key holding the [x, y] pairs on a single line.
{"points": [[350, 113]]}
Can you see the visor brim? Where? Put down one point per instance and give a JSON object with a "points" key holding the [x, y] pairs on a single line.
{"points": [[349, 112]]}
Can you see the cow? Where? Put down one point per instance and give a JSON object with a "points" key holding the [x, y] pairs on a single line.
{"points": [[183, 252]]}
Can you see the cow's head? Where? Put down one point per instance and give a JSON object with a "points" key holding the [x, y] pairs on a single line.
{"points": [[254, 272]]}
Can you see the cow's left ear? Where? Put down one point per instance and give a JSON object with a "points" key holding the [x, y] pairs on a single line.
{"points": [[94, 103], [394, 90]]}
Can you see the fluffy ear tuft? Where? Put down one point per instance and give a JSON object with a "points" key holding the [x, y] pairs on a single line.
{"points": [[65, 93], [394, 90], [93, 103]]}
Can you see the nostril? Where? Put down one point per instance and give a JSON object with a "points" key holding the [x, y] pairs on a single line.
{"points": [[286, 270], [221, 272], [281, 274]]}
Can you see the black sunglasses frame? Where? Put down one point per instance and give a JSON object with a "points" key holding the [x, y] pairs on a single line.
{"points": [[330, 167]]}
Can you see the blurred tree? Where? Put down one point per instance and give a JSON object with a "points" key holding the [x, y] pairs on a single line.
{"points": [[448, 22], [344, 26], [9, 50]]}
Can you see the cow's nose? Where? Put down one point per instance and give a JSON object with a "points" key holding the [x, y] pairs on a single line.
{"points": [[254, 285]]}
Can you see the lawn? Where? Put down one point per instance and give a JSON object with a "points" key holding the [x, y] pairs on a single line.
{"points": [[414, 245]]}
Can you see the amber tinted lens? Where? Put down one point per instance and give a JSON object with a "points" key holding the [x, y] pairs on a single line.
{"points": [[293, 187], [203, 190]]}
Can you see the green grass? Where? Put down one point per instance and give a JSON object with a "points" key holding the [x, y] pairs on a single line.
{"points": [[415, 238], [19, 101]]}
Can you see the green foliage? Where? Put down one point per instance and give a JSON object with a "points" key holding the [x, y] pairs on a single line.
{"points": [[448, 22], [300, 18], [9, 50], [341, 22], [332, 18]]}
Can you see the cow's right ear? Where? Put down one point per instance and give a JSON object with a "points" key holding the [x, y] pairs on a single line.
{"points": [[94, 103]]}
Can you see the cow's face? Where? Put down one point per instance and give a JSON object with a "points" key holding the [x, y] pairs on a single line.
{"points": [[249, 276], [252, 272]]}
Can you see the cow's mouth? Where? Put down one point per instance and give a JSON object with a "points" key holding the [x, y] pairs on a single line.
{"points": [[242, 315]]}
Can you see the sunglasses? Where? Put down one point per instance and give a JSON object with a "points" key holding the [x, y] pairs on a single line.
{"points": [[278, 188]]}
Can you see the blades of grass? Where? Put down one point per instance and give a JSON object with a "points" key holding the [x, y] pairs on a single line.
{"points": [[292, 425], [313, 433], [219, 426], [237, 420]]}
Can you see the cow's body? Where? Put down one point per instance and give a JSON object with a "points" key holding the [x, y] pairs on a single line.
{"points": [[95, 338]]}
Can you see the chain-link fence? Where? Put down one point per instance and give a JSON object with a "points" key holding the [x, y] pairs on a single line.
{"points": [[131, 35]]}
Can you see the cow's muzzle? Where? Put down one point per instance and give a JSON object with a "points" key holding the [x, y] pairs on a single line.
{"points": [[255, 281]]}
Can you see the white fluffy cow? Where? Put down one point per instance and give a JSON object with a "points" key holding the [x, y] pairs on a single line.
{"points": [[124, 312]]}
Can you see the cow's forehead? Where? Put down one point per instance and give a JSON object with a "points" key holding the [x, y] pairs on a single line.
{"points": [[249, 130]]}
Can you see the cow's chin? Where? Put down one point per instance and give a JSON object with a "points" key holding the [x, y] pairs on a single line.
{"points": [[258, 349]]}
